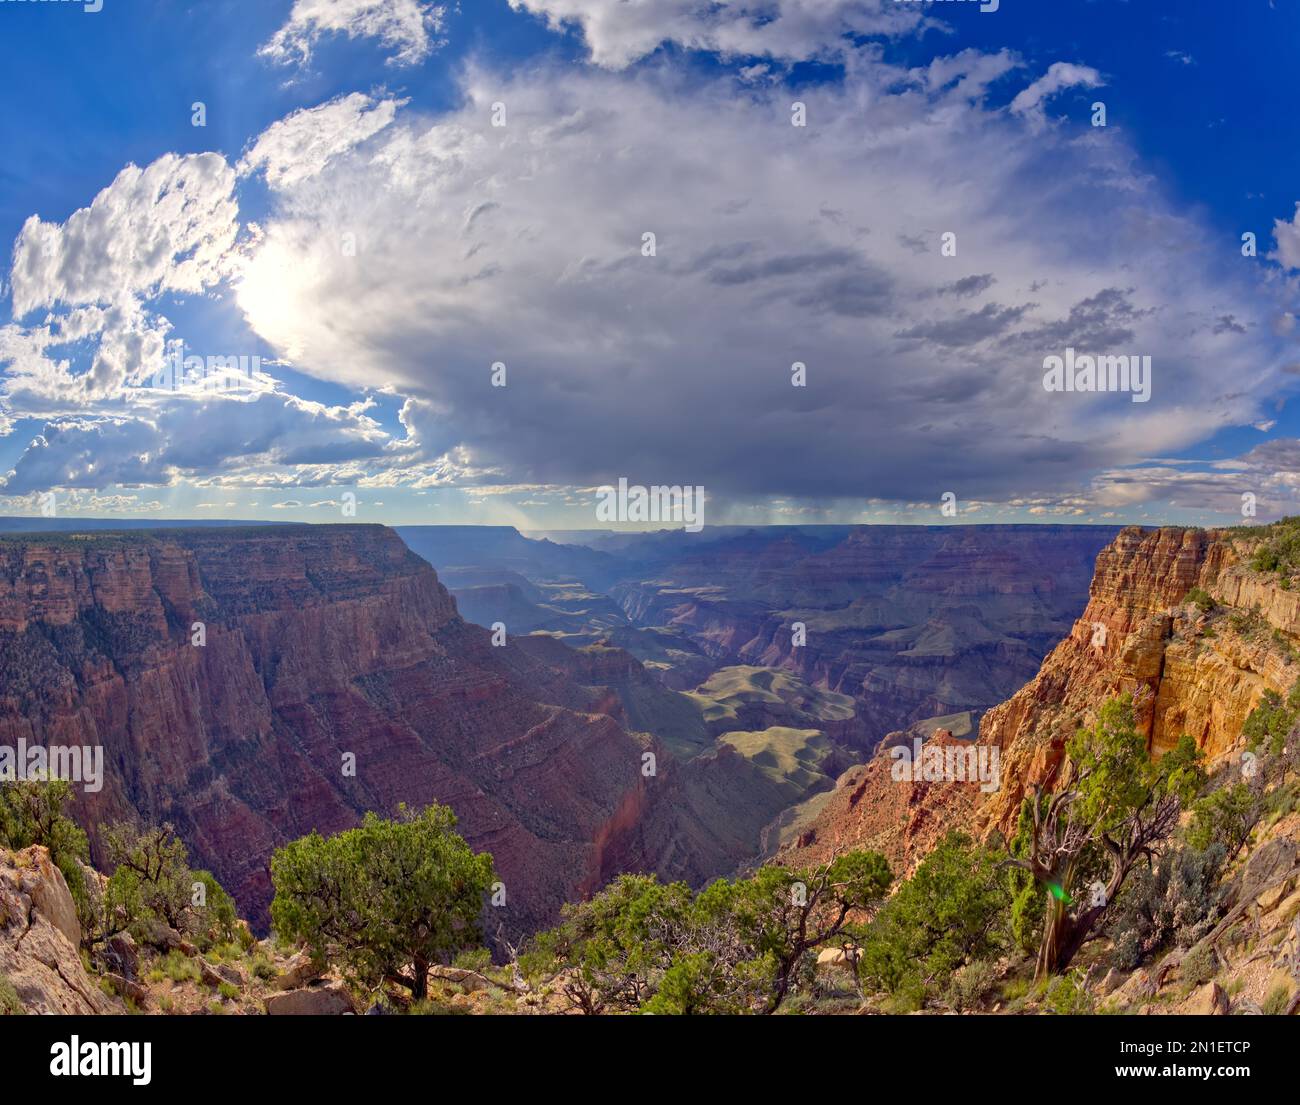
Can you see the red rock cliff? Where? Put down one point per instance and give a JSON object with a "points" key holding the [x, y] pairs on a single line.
{"points": [[1189, 672], [320, 641]]}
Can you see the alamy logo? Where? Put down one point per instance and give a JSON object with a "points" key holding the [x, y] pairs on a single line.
{"points": [[634, 503], [72, 763], [930, 763], [104, 1060], [985, 5], [88, 6], [1084, 372], [213, 373]]}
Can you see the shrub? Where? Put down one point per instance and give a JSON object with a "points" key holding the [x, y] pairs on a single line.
{"points": [[538, 962], [474, 959], [970, 983], [152, 883], [949, 913], [263, 968], [429, 1008], [1279, 548], [1067, 996], [1270, 721], [909, 997], [1199, 965], [178, 967], [9, 1004], [1265, 559], [1027, 911], [31, 812], [220, 919], [1281, 801], [735, 947], [1177, 902], [1227, 815], [1278, 999], [1199, 597]]}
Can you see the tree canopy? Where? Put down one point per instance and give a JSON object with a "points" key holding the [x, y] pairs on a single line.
{"points": [[386, 900], [738, 946]]}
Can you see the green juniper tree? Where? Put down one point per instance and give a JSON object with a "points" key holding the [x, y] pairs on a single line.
{"points": [[738, 946], [950, 913], [386, 900], [1114, 804]]}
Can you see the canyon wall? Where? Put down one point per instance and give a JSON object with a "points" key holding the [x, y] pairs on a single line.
{"points": [[319, 642], [913, 622], [1190, 671]]}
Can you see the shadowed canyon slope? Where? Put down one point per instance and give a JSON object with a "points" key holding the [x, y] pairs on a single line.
{"points": [[913, 622]]}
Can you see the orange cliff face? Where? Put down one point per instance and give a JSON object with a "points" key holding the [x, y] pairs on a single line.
{"points": [[1189, 672], [318, 642]]}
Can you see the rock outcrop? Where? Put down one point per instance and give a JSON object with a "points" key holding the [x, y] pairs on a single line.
{"points": [[40, 938]]}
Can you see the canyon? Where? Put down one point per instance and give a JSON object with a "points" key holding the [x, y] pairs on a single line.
{"points": [[912, 622], [1194, 669], [647, 710], [318, 646], [250, 685]]}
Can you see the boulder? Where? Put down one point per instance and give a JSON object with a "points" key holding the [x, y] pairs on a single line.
{"points": [[1268, 863], [127, 988], [834, 957], [1273, 897], [232, 974], [299, 971], [326, 999], [1211, 1000], [1110, 982], [1138, 987], [1289, 909], [214, 974], [162, 937], [37, 956], [123, 955]]}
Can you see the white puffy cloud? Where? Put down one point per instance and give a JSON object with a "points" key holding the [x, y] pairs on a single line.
{"points": [[166, 228], [773, 244], [1268, 477], [618, 34], [1287, 236], [406, 27], [78, 502], [38, 382], [970, 72], [204, 437], [300, 145], [1031, 101], [170, 227]]}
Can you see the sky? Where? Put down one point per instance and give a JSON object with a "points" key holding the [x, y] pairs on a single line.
{"points": [[414, 262]]}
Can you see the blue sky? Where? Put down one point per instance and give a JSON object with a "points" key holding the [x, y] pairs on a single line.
{"points": [[350, 215]]}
